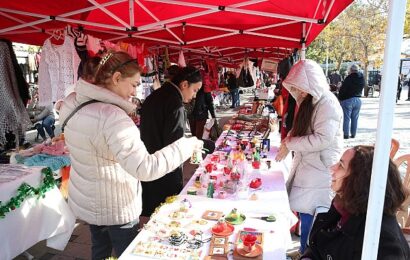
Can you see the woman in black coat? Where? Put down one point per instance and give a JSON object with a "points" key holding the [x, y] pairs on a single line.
{"points": [[338, 234], [204, 102]]}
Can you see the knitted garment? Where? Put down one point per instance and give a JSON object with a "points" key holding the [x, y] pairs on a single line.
{"points": [[13, 115], [54, 162], [58, 70]]}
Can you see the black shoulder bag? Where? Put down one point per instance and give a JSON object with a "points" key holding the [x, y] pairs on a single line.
{"points": [[75, 111]]}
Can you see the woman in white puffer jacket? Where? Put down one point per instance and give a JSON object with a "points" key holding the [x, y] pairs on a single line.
{"points": [[315, 138], [108, 158]]}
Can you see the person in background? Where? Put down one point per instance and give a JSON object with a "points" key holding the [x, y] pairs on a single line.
{"points": [[163, 121], [108, 158], [171, 72], [338, 234], [399, 87], [203, 104], [349, 96], [315, 139], [233, 88], [408, 89], [42, 118]]}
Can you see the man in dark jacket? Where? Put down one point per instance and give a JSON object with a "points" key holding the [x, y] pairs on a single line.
{"points": [[163, 121], [349, 96], [233, 88], [203, 103]]}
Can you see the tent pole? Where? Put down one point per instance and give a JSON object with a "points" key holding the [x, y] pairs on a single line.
{"points": [[310, 25], [272, 36], [390, 73], [303, 51], [109, 13], [328, 10], [235, 9], [201, 13], [131, 12]]}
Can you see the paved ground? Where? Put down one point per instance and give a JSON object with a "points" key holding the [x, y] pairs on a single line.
{"points": [[79, 246]]}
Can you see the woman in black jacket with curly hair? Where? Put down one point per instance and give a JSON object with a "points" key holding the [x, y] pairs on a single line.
{"points": [[338, 234]]}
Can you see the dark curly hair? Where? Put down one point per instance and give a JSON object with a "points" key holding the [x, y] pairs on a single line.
{"points": [[354, 192], [190, 74]]}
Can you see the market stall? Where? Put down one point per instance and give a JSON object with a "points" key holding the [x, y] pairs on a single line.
{"points": [[231, 181], [31, 209]]}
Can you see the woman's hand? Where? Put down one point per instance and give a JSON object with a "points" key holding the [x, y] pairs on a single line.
{"points": [[283, 152]]}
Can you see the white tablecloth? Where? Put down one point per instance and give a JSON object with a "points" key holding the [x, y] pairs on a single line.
{"points": [[272, 199], [37, 219]]}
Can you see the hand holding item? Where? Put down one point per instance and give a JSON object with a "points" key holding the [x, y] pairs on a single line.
{"points": [[283, 152], [196, 157]]}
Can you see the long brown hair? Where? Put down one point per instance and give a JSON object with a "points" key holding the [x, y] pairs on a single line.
{"points": [[113, 62], [303, 117], [355, 188]]}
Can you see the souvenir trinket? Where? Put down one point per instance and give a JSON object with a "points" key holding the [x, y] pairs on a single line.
{"points": [[255, 183], [177, 238], [212, 215], [235, 218], [219, 246], [222, 228]]}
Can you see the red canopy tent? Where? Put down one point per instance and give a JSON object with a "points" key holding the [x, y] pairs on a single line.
{"points": [[260, 28]]}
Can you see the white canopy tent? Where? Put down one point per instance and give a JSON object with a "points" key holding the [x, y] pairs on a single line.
{"points": [[395, 28]]}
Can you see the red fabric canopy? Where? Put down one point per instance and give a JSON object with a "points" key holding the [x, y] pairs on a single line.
{"points": [[257, 27]]}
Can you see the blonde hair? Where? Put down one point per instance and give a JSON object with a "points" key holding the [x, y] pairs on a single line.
{"points": [[113, 62]]}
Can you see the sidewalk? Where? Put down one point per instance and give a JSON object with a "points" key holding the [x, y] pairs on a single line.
{"points": [[79, 246]]}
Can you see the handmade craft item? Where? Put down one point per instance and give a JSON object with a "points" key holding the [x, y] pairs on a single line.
{"points": [[219, 246], [255, 183], [249, 244], [212, 215], [235, 218], [222, 228]]}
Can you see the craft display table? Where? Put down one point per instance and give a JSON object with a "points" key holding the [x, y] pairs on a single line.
{"points": [[36, 219], [270, 199]]}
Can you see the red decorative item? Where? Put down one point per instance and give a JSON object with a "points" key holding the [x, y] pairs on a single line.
{"points": [[255, 183], [227, 170], [209, 167], [215, 158], [235, 176], [256, 164], [249, 241], [222, 228]]}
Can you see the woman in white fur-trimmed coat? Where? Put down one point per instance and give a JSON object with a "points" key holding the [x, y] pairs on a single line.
{"points": [[108, 158], [316, 140]]}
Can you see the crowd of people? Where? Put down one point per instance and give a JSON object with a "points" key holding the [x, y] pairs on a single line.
{"points": [[329, 192], [121, 173]]}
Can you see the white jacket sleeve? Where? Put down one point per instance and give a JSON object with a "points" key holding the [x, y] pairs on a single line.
{"points": [[123, 139], [326, 123]]}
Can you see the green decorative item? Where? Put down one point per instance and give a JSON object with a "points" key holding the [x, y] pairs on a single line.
{"points": [[235, 218], [26, 191]]}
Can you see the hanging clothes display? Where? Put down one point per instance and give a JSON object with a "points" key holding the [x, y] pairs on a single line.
{"points": [[93, 45], [58, 70], [80, 43], [13, 116], [22, 85], [181, 59]]}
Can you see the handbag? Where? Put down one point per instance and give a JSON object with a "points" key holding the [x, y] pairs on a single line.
{"points": [[215, 131], [75, 111], [248, 80], [278, 105]]}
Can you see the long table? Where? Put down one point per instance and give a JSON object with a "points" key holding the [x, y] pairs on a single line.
{"points": [[272, 199], [36, 219]]}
